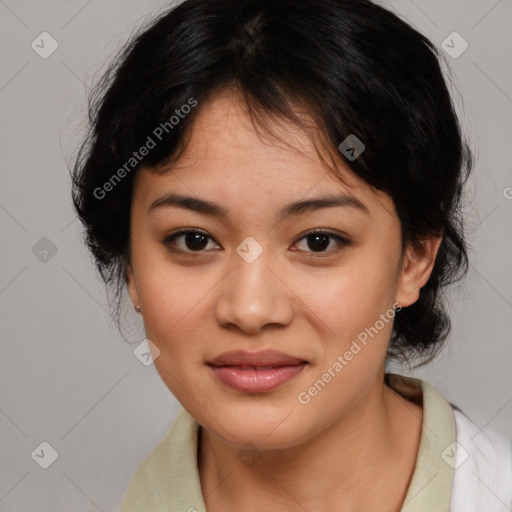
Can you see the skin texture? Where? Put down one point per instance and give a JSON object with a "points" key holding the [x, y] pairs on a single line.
{"points": [[354, 445]]}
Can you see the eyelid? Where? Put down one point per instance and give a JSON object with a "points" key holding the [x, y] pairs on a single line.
{"points": [[325, 231], [167, 239], [343, 242]]}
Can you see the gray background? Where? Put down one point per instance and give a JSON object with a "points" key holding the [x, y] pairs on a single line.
{"points": [[67, 376]]}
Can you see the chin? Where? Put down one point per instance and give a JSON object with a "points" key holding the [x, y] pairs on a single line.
{"points": [[267, 428]]}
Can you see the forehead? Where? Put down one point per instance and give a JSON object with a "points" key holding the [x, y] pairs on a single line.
{"points": [[226, 135], [229, 157]]}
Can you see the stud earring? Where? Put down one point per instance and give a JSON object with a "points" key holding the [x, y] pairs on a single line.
{"points": [[138, 309]]}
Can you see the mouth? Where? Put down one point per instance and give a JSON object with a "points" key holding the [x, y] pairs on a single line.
{"points": [[255, 368], [256, 378], [262, 360]]}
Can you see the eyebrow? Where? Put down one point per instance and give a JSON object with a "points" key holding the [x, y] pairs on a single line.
{"points": [[296, 208]]}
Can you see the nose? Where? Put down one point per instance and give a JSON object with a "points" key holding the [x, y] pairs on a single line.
{"points": [[254, 295]]}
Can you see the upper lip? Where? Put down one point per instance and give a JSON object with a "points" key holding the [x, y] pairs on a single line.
{"points": [[261, 358]]}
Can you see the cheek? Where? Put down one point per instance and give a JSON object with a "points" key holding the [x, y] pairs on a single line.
{"points": [[355, 295], [356, 304], [173, 306], [174, 317]]}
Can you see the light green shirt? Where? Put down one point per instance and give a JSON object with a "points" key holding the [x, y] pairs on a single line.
{"points": [[168, 479]]}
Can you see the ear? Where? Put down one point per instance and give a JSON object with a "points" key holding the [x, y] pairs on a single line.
{"points": [[130, 282], [416, 269]]}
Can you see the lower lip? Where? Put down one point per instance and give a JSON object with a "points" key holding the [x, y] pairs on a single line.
{"points": [[256, 381]]}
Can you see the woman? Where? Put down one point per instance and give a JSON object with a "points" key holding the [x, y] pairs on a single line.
{"points": [[277, 185]]}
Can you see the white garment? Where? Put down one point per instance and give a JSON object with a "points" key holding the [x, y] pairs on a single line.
{"points": [[483, 469]]}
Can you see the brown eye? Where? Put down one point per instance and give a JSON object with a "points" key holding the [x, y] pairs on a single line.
{"points": [[187, 241], [320, 241]]}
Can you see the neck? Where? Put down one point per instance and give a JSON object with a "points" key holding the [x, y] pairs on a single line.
{"points": [[371, 448]]}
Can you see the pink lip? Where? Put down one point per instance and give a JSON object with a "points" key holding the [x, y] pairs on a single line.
{"points": [[252, 380], [261, 358], [256, 372]]}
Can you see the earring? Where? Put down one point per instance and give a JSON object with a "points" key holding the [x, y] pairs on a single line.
{"points": [[138, 309]]}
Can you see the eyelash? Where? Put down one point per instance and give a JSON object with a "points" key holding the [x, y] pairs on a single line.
{"points": [[341, 240]]}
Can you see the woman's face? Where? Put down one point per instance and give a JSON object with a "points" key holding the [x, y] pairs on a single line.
{"points": [[256, 281]]}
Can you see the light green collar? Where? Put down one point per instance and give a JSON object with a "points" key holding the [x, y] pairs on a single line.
{"points": [[168, 478], [431, 484]]}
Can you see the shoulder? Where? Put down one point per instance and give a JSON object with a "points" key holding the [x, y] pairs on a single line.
{"points": [[167, 480], [480, 458], [482, 468]]}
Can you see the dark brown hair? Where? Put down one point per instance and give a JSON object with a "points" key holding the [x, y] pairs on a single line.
{"points": [[353, 66]]}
